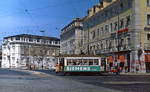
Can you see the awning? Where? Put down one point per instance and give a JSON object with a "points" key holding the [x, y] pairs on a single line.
{"points": [[121, 58], [147, 58], [110, 59]]}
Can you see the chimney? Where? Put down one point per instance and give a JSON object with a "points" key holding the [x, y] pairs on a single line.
{"points": [[98, 7], [91, 11], [107, 2]]}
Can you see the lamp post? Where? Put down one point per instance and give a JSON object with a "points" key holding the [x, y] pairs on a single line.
{"points": [[43, 48]]}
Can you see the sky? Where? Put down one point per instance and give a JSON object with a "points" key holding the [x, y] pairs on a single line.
{"points": [[32, 16]]}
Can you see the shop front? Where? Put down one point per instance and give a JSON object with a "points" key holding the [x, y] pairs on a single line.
{"points": [[119, 61], [147, 60]]}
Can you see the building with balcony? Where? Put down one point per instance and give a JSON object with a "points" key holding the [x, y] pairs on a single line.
{"points": [[29, 51], [71, 38], [120, 30]]}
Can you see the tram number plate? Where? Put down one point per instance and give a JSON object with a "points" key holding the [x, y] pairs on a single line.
{"points": [[82, 68]]}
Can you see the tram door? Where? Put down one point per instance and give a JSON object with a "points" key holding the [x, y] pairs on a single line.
{"points": [[128, 62], [104, 63], [62, 64]]}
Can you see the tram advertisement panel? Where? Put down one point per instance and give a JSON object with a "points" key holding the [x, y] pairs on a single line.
{"points": [[82, 68]]}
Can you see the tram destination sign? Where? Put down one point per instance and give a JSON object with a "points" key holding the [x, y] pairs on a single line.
{"points": [[82, 68]]}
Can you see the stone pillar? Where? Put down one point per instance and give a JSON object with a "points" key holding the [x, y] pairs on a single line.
{"points": [[137, 64]]}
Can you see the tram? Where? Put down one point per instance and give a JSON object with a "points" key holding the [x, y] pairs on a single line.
{"points": [[78, 64]]}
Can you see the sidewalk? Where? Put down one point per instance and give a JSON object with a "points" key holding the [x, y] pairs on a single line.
{"points": [[134, 73], [37, 73], [129, 73]]}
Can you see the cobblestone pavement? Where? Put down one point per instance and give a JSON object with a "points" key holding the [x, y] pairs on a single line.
{"points": [[31, 81], [124, 83]]}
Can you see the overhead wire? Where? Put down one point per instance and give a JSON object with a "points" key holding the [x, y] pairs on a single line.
{"points": [[29, 12], [26, 11]]}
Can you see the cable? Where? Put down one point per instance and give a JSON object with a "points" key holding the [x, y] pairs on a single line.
{"points": [[56, 5]]}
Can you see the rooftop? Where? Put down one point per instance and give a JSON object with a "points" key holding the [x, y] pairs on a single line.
{"points": [[34, 36]]}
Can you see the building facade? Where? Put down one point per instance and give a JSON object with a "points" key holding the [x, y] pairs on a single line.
{"points": [[29, 51], [71, 37], [0, 56], [120, 30]]}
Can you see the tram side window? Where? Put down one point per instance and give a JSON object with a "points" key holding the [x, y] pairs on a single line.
{"points": [[79, 62], [68, 61], [85, 62], [74, 62], [90, 62], [95, 62]]}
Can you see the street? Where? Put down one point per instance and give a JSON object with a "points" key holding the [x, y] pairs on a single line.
{"points": [[123, 83], [30, 81], [48, 81]]}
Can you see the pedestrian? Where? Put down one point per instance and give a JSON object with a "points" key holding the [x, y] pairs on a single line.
{"points": [[118, 69], [126, 69]]}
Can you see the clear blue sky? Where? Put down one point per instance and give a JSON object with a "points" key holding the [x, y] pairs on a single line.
{"points": [[31, 16]]}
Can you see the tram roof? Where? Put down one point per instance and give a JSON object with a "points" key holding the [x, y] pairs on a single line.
{"points": [[80, 56]]}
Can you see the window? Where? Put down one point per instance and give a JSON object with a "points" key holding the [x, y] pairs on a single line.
{"points": [[56, 42], [4, 47], [17, 38], [148, 36], [47, 42], [111, 27], [148, 2], [102, 30], [106, 28], [4, 58], [93, 35], [121, 6], [22, 39], [106, 13], [11, 38], [129, 3], [116, 26], [13, 54], [128, 40], [50, 42], [13, 46], [38, 40], [97, 32], [121, 23], [110, 45], [148, 19], [44, 41], [30, 39], [128, 21], [13, 58]]}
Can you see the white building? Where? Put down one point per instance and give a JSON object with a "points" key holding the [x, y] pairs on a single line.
{"points": [[26, 51]]}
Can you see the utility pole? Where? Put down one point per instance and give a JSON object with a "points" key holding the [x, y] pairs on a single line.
{"points": [[43, 48], [88, 36]]}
